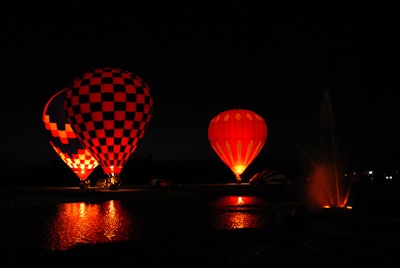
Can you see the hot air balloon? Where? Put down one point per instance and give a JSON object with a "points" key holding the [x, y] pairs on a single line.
{"points": [[237, 136], [63, 139], [109, 109]]}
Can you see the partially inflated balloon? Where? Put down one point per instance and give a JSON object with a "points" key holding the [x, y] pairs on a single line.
{"points": [[63, 139], [237, 136], [109, 109]]}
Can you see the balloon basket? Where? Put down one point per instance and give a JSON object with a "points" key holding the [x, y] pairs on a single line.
{"points": [[238, 180]]}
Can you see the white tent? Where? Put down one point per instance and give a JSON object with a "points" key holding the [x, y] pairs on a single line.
{"points": [[268, 177]]}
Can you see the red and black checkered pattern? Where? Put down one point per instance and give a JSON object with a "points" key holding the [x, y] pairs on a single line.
{"points": [[109, 109], [63, 139]]}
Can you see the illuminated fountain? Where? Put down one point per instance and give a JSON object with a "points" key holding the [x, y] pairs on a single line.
{"points": [[327, 186]]}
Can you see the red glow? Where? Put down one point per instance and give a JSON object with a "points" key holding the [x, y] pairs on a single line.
{"points": [[109, 110], [326, 188], [83, 223], [237, 201], [237, 136], [238, 212], [63, 139]]}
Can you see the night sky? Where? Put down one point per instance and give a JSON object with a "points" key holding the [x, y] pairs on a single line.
{"points": [[203, 63]]}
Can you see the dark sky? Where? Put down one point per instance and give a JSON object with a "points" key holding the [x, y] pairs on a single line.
{"points": [[204, 62]]}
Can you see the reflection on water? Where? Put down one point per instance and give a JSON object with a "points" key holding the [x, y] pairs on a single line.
{"points": [[79, 223], [85, 223], [238, 212]]}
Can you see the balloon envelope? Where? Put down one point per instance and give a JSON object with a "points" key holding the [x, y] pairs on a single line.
{"points": [[109, 109], [237, 136], [63, 139]]}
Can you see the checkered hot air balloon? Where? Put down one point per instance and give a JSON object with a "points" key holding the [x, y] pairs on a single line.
{"points": [[63, 139], [237, 136], [109, 109]]}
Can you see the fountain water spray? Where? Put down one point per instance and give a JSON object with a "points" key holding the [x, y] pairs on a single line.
{"points": [[327, 186]]}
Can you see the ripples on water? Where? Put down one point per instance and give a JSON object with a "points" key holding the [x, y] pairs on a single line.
{"points": [[238, 212], [85, 223], [90, 223]]}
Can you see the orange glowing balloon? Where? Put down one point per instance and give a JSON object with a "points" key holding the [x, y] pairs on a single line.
{"points": [[237, 136], [63, 139]]}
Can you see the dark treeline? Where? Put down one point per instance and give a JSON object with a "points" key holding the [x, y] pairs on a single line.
{"points": [[138, 171]]}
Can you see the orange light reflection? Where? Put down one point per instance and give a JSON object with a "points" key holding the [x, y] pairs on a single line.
{"points": [[238, 212], [83, 223]]}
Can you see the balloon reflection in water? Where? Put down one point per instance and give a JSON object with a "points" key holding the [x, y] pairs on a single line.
{"points": [[84, 223], [239, 212]]}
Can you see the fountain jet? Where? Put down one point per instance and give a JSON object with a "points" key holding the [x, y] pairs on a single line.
{"points": [[327, 187]]}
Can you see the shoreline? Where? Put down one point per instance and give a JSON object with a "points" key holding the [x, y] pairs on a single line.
{"points": [[51, 195], [347, 235]]}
